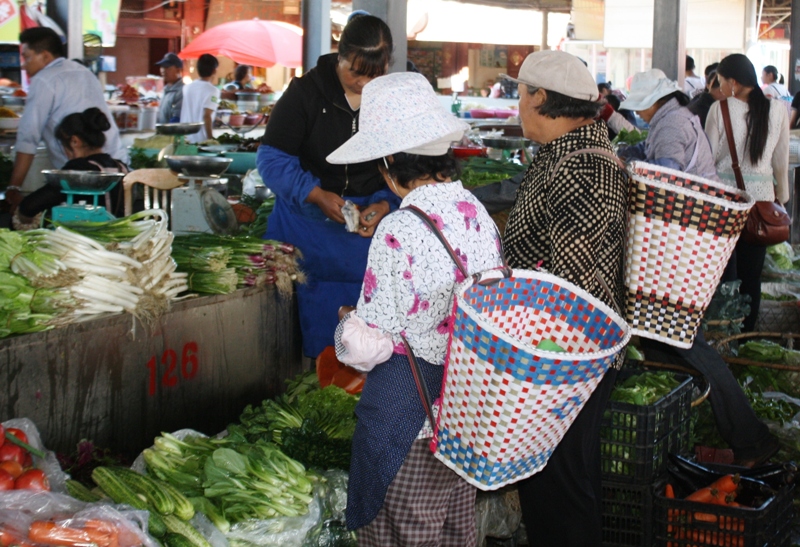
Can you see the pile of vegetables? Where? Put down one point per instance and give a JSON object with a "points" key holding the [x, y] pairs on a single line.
{"points": [[16, 462], [726, 311], [629, 138], [258, 227], [215, 264], [313, 426], [767, 351], [231, 480], [644, 389], [476, 171]]}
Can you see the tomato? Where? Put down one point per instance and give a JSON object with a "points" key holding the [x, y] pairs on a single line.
{"points": [[18, 433], [28, 461], [32, 479], [12, 468], [12, 452], [6, 480]]}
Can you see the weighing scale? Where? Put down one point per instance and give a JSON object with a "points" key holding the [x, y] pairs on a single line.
{"points": [[82, 183], [198, 206], [179, 132]]}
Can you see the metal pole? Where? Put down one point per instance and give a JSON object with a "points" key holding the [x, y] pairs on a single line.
{"points": [[794, 53], [669, 38], [545, 29], [75, 30], [316, 31]]}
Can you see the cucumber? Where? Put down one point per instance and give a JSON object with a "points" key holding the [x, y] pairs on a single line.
{"points": [[80, 492], [177, 540], [118, 491], [183, 507], [156, 495], [177, 526]]}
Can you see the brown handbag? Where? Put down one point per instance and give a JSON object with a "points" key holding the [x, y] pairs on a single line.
{"points": [[768, 222]]}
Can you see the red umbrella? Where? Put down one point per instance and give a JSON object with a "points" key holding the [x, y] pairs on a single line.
{"points": [[254, 42]]}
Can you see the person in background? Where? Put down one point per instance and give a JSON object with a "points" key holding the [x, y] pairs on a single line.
{"points": [[676, 140], [82, 137], [316, 114], [59, 87], [241, 79], [169, 110], [572, 223], [201, 99], [773, 87], [701, 104], [761, 132], [692, 84], [398, 492], [793, 119]]}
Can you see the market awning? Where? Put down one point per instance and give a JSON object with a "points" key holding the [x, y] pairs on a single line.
{"points": [[450, 21]]}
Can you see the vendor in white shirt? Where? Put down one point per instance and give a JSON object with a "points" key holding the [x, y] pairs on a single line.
{"points": [[201, 99], [59, 87]]}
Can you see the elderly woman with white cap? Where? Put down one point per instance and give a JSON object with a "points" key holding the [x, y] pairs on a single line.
{"points": [[676, 138], [399, 494]]}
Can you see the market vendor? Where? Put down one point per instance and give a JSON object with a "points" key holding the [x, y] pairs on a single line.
{"points": [[59, 87], [398, 492], [569, 218], [317, 113], [169, 110]]}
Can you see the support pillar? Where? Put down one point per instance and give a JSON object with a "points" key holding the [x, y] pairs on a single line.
{"points": [[669, 38], [75, 30], [545, 29], [395, 13], [316, 16]]}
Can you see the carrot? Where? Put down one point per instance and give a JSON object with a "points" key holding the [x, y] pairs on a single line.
{"points": [[102, 532], [705, 517], [7, 537], [727, 484], [704, 495], [50, 533]]}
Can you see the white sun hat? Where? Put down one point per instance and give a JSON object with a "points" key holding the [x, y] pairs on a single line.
{"points": [[400, 113], [647, 88]]}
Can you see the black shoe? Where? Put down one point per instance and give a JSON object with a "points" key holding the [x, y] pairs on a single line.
{"points": [[758, 455]]}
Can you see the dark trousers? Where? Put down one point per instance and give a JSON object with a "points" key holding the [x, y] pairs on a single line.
{"points": [[746, 264], [738, 425], [561, 505]]}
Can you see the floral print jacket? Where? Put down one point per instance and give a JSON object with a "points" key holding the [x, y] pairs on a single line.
{"points": [[410, 278]]}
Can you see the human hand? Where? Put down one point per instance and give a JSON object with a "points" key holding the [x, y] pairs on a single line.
{"points": [[13, 197], [344, 310], [371, 216], [331, 204]]}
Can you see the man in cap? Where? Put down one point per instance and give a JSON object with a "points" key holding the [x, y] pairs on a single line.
{"points": [[172, 71], [569, 218]]}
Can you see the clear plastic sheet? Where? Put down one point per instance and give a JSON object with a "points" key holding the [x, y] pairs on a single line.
{"points": [[50, 465]]}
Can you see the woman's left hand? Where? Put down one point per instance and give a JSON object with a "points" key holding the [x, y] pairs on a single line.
{"points": [[371, 216]]}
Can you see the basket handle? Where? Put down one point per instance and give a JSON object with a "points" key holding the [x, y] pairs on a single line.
{"points": [[419, 380]]}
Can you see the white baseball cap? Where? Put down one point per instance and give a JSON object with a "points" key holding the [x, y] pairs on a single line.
{"points": [[557, 71], [400, 113], [647, 88]]}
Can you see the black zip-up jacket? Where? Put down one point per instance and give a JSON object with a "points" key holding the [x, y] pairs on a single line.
{"points": [[311, 120]]}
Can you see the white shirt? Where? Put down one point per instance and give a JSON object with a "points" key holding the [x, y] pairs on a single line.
{"points": [[197, 96], [693, 85], [775, 91], [62, 88]]}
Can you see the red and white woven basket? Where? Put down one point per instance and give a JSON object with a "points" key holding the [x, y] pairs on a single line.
{"points": [[682, 230]]}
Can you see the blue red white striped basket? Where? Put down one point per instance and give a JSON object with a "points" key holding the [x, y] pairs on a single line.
{"points": [[682, 230], [505, 404]]}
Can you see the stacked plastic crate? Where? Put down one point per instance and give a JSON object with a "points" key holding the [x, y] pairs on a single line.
{"points": [[635, 441]]}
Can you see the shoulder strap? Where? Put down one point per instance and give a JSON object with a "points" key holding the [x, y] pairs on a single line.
{"points": [[726, 119]]}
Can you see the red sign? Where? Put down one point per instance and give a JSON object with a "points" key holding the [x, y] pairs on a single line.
{"points": [[777, 33], [7, 10], [171, 371]]}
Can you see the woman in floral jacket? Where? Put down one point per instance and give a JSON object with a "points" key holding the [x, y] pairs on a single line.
{"points": [[399, 494]]}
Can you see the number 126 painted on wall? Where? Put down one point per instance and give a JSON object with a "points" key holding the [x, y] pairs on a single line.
{"points": [[189, 365]]}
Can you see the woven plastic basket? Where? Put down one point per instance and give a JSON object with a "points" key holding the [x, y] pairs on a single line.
{"points": [[682, 230], [505, 404]]}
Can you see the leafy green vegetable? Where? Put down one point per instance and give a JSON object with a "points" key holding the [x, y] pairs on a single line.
{"points": [[629, 138], [764, 351], [645, 388], [477, 171], [141, 159]]}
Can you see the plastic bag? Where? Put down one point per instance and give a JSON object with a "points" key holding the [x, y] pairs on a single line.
{"points": [[497, 514], [52, 518], [351, 216], [50, 465], [331, 530], [251, 179]]}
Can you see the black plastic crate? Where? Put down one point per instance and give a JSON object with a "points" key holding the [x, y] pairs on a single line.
{"points": [[675, 523], [640, 425], [627, 514], [642, 464]]}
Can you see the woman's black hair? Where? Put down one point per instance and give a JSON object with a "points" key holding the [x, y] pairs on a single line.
{"points": [[409, 167], [557, 105], [680, 96], [613, 100], [739, 68], [367, 43], [240, 72], [770, 69], [88, 126]]}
